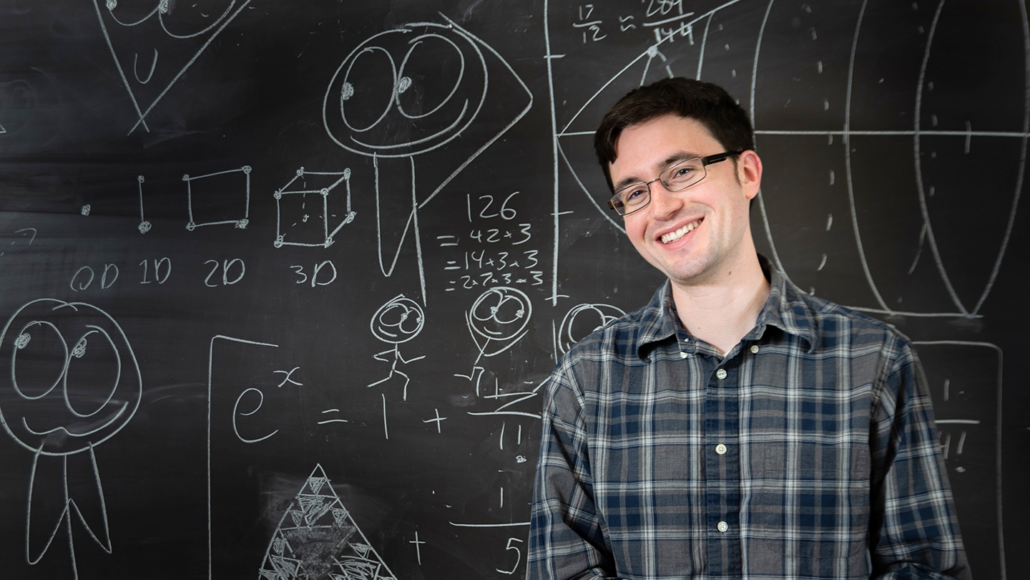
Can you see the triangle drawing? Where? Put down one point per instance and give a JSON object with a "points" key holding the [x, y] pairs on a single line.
{"points": [[319, 539], [153, 50]]}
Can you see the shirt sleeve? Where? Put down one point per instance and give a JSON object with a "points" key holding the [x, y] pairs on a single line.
{"points": [[914, 530], [567, 539]]}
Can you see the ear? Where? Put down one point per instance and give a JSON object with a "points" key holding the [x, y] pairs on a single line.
{"points": [[749, 172]]}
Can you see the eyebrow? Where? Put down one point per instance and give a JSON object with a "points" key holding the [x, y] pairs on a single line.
{"points": [[659, 167]]}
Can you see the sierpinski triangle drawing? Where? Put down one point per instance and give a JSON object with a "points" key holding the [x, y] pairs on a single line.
{"points": [[317, 538]]}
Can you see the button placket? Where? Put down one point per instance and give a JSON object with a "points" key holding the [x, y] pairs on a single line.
{"points": [[722, 469]]}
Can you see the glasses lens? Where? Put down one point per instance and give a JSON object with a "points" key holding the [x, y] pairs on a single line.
{"points": [[631, 198], [683, 174]]}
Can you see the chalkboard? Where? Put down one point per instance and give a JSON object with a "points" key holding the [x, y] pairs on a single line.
{"points": [[280, 282]]}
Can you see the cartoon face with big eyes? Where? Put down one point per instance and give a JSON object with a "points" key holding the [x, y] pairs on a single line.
{"points": [[406, 91], [74, 381], [499, 315], [397, 321]]}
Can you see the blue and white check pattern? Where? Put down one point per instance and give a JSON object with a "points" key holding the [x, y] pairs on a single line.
{"points": [[830, 466]]}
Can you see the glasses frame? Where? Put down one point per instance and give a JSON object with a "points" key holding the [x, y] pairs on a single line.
{"points": [[705, 162]]}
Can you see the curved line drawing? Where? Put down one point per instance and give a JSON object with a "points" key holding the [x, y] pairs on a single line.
{"points": [[760, 197], [77, 353], [647, 52], [345, 96], [1021, 173], [212, 26], [400, 75], [923, 209], [443, 131], [564, 337], [412, 218], [135, 68], [847, 164], [112, 4], [21, 342], [607, 215], [236, 411], [76, 433]]}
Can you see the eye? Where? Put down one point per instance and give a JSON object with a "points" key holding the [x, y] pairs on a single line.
{"points": [[633, 195]]}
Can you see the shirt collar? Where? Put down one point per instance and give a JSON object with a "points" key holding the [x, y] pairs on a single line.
{"points": [[786, 308]]}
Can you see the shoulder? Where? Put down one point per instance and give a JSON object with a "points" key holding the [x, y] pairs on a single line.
{"points": [[836, 323], [606, 352]]}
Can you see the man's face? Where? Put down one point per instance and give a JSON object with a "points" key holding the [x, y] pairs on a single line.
{"points": [[716, 208]]}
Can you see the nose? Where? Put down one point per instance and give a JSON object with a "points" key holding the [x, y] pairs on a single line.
{"points": [[664, 203]]}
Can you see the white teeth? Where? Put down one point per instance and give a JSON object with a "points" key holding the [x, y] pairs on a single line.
{"points": [[673, 236]]}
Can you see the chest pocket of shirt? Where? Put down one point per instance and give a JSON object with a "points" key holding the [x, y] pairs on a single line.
{"points": [[810, 500]]}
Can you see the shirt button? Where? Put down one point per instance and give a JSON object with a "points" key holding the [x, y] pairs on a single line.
{"points": [[721, 373], [684, 354], [754, 349], [720, 449], [723, 526]]}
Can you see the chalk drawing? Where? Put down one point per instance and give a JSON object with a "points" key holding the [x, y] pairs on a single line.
{"points": [[318, 538], [318, 218], [131, 32], [380, 80], [575, 130], [237, 186], [80, 348], [398, 321]]}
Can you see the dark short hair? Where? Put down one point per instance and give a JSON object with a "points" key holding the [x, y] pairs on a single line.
{"points": [[706, 103]]}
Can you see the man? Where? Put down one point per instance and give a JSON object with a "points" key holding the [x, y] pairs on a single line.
{"points": [[735, 427]]}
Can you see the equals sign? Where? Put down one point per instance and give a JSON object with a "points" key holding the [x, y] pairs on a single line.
{"points": [[447, 241], [331, 420], [452, 265]]}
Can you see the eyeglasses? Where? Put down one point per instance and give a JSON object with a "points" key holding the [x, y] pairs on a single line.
{"points": [[676, 177]]}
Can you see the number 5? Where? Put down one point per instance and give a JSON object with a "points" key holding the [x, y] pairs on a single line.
{"points": [[518, 556]]}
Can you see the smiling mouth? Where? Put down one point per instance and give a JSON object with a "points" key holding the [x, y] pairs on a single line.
{"points": [[673, 236]]}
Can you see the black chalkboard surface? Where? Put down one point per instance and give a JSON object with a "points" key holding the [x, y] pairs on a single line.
{"points": [[280, 282]]}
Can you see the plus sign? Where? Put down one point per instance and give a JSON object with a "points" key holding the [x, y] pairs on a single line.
{"points": [[418, 551], [437, 420]]}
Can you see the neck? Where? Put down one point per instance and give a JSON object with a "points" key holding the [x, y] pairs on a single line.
{"points": [[724, 308]]}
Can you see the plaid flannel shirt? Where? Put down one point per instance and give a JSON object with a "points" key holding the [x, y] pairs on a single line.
{"points": [[807, 451]]}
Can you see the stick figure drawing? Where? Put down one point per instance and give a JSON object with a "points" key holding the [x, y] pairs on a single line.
{"points": [[399, 320]]}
